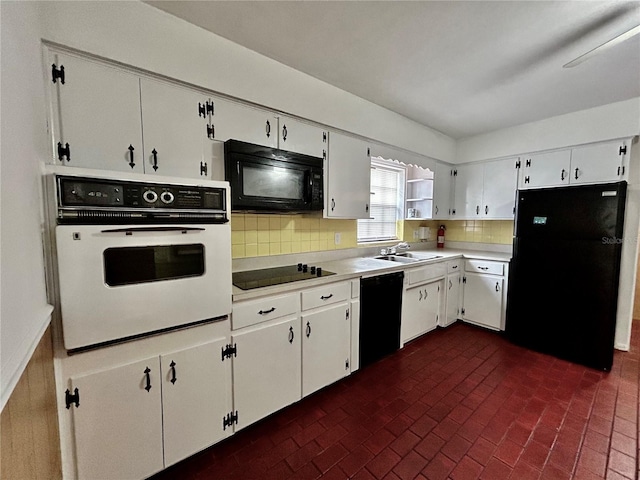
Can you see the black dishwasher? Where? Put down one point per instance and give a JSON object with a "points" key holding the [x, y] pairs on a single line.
{"points": [[380, 308]]}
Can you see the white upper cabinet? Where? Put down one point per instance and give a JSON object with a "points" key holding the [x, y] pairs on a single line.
{"points": [[233, 120], [175, 133], [300, 137], [468, 190], [499, 189], [596, 163], [96, 115], [442, 191], [602, 162], [347, 178], [545, 169], [485, 191]]}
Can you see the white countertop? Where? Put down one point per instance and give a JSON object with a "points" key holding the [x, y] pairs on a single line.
{"points": [[356, 267]]}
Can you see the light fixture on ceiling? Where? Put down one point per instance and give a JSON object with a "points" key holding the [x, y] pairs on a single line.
{"points": [[614, 41]]}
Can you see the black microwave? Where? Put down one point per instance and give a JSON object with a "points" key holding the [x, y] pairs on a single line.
{"points": [[264, 178]]}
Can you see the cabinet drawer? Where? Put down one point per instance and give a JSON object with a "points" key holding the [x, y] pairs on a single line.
{"points": [[326, 295], [454, 266], [260, 310], [482, 266], [418, 275]]}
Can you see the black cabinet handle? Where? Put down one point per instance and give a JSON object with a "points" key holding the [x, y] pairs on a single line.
{"points": [[173, 372], [155, 159], [64, 151], [576, 177], [450, 284], [264, 312], [426, 294], [333, 204], [497, 287], [486, 209], [454, 267], [366, 208], [284, 133], [420, 292], [477, 209], [147, 371], [291, 336], [436, 209], [308, 329], [562, 174], [483, 268], [268, 129], [322, 297], [131, 162]]}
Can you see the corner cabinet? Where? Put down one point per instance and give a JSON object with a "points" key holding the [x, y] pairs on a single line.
{"points": [[486, 191], [347, 178], [484, 296]]}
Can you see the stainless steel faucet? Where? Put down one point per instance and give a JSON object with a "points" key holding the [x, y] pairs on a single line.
{"points": [[393, 250]]}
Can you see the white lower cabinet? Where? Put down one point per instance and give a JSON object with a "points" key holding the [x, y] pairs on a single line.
{"points": [[325, 347], [484, 293], [266, 369], [420, 307], [454, 291], [195, 397], [117, 423], [126, 416]]}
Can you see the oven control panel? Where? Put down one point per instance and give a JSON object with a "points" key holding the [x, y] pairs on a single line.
{"points": [[79, 196]]}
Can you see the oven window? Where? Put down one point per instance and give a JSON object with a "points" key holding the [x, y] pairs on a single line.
{"points": [[273, 182], [130, 265]]}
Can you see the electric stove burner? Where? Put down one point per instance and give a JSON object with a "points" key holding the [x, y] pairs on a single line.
{"points": [[277, 275]]}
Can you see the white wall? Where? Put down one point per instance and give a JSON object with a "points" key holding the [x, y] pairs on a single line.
{"points": [[143, 36], [25, 313], [616, 120]]}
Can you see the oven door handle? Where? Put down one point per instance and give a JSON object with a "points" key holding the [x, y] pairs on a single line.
{"points": [[153, 229]]}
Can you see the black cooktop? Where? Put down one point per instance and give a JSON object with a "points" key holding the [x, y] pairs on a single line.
{"points": [[275, 276]]}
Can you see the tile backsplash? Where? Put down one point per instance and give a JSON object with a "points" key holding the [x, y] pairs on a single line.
{"points": [[257, 235]]}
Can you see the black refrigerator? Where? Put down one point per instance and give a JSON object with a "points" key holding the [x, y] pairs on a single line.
{"points": [[563, 276]]}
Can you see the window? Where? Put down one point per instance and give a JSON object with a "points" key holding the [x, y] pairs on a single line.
{"points": [[387, 197]]}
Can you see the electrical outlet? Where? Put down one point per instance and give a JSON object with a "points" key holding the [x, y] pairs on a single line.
{"points": [[337, 238]]}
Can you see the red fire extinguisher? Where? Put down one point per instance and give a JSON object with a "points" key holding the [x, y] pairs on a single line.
{"points": [[441, 230]]}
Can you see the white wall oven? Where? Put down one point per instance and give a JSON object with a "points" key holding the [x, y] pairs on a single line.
{"points": [[138, 257]]}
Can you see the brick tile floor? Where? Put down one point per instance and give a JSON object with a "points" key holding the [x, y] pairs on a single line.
{"points": [[459, 403]]}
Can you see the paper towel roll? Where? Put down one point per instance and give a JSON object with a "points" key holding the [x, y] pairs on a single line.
{"points": [[424, 233]]}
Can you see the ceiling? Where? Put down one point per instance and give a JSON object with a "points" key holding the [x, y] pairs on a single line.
{"points": [[460, 67]]}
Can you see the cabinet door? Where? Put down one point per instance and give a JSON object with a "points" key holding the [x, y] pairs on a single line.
{"points": [[231, 120], [118, 423], [266, 370], [482, 300], [325, 347], [175, 133], [499, 189], [442, 192], [300, 137], [598, 163], [453, 295], [348, 178], [544, 169], [468, 191], [419, 311], [196, 395], [97, 113]]}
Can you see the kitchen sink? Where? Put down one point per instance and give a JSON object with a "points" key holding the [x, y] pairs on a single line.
{"points": [[419, 255], [397, 258], [408, 257]]}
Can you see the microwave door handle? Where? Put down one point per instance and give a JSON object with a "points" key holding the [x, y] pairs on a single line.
{"points": [[152, 229], [308, 186]]}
